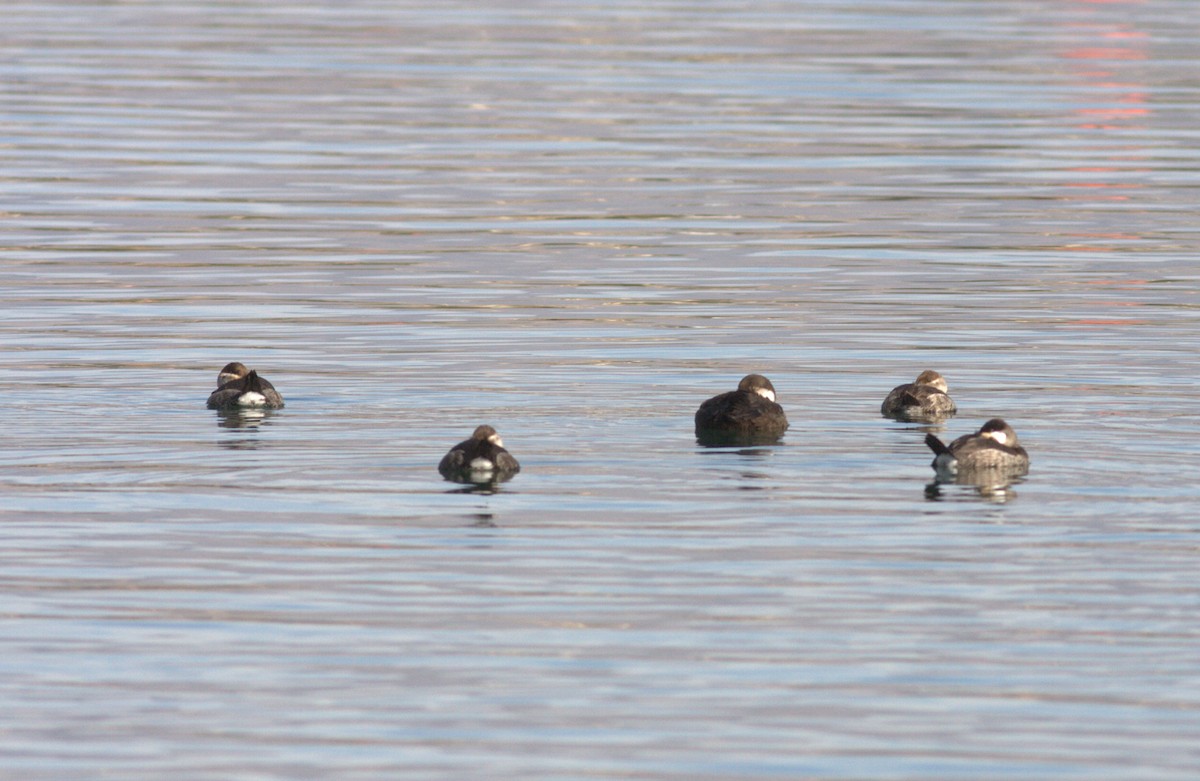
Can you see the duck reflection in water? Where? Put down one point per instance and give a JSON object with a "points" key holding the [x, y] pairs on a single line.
{"points": [[246, 421], [998, 488], [746, 449], [484, 520], [480, 487]]}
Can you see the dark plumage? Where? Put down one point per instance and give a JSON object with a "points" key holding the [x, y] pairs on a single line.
{"points": [[481, 458], [748, 414], [239, 387], [994, 448], [922, 400]]}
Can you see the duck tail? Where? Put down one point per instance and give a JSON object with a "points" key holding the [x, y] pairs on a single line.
{"points": [[936, 445]]}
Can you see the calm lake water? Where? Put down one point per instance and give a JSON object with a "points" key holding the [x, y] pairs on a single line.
{"points": [[576, 221]]}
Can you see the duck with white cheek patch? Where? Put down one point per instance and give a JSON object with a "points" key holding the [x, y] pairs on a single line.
{"points": [[926, 398], [242, 388], [993, 448], [748, 414], [482, 458]]}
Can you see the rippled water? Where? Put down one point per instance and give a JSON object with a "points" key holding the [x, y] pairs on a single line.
{"points": [[575, 221]]}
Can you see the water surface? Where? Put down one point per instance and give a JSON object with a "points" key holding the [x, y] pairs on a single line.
{"points": [[576, 221]]}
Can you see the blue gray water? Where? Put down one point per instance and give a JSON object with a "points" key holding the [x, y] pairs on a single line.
{"points": [[575, 221]]}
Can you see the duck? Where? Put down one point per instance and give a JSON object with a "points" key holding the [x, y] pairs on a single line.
{"points": [[239, 387], [993, 448], [749, 413], [482, 458], [925, 398]]}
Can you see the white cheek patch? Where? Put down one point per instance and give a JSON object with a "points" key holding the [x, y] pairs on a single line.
{"points": [[495, 440], [996, 436], [252, 399], [766, 393]]}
